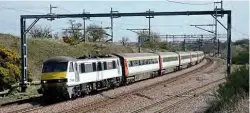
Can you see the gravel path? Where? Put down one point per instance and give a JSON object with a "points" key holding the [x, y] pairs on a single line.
{"points": [[131, 102]]}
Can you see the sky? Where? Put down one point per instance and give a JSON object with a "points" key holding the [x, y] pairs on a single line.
{"points": [[10, 12]]}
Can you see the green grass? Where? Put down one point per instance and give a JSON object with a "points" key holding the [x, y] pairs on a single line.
{"points": [[42, 49]]}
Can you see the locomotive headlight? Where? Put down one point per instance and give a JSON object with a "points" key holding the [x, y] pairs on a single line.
{"points": [[44, 82]]}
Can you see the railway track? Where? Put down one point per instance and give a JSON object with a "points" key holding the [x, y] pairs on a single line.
{"points": [[162, 105], [28, 109], [102, 103]]}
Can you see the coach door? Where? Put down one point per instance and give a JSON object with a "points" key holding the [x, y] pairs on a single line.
{"points": [[118, 67], [77, 79]]}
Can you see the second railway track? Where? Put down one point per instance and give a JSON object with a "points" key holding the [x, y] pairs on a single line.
{"points": [[161, 106]]}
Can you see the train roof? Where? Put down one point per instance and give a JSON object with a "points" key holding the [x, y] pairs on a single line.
{"points": [[199, 52], [182, 52], [167, 53], [192, 52], [127, 55], [59, 59]]}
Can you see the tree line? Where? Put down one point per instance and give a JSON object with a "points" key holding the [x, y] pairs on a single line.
{"points": [[74, 34]]}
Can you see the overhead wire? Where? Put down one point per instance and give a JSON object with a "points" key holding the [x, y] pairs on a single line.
{"points": [[64, 9], [240, 32], [189, 3], [10, 8]]}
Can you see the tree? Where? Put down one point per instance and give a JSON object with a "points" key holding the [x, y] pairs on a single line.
{"points": [[40, 32], [124, 41], [74, 30], [95, 33], [241, 42], [56, 36], [149, 42]]}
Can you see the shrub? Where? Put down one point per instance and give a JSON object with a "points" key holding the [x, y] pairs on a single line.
{"points": [[69, 40], [241, 58], [9, 68], [228, 93]]}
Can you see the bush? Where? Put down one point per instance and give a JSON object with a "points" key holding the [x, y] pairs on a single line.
{"points": [[228, 93], [9, 68], [241, 58], [69, 40]]}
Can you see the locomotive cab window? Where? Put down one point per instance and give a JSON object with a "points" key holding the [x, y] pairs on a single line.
{"points": [[55, 67]]}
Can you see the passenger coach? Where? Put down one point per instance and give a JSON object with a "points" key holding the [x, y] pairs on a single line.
{"points": [[185, 59], [169, 61], [138, 66]]}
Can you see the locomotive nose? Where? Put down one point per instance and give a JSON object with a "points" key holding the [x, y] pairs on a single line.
{"points": [[53, 75]]}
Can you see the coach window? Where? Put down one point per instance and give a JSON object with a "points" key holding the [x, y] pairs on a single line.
{"points": [[172, 59], [88, 68], [166, 59], [94, 66], [110, 65], [99, 66], [141, 62], [130, 63], [71, 69], [145, 62], [105, 65], [114, 64], [136, 62], [82, 68], [133, 63], [155, 61], [149, 61]]}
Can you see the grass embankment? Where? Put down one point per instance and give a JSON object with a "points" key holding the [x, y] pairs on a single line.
{"points": [[42, 49], [233, 94]]}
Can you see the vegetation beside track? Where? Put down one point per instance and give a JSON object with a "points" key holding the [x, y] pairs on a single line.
{"points": [[230, 95], [9, 68]]}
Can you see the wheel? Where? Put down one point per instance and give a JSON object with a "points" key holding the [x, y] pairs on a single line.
{"points": [[108, 84], [88, 89]]}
